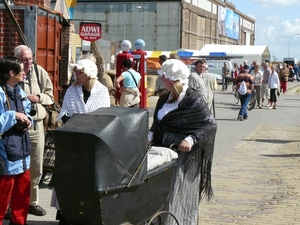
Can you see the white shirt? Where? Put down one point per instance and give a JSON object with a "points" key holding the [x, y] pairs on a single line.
{"points": [[168, 107]]}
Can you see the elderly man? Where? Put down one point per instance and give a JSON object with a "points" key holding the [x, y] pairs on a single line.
{"points": [[39, 90], [265, 92], [225, 76], [196, 78], [245, 68]]}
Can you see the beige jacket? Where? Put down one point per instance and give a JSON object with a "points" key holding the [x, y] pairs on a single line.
{"points": [[45, 91]]}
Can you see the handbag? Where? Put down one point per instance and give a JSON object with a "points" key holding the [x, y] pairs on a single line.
{"points": [[278, 93], [243, 88], [52, 112], [49, 153]]}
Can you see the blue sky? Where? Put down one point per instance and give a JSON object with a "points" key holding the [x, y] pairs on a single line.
{"points": [[276, 22]]}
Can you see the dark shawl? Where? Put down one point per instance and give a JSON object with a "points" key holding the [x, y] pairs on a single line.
{"points": [[192, 117]]}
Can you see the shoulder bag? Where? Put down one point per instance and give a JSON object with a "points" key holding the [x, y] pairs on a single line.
{"points": [[51, 110]]}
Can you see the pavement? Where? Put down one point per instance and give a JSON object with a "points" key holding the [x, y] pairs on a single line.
{"points": [[257, 182]]}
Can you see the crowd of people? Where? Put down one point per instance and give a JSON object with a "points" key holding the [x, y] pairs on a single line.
{"points": [[263, 82], [184, 115]]}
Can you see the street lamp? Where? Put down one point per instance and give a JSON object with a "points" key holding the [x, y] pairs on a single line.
{"points": [[138, 7], [290, 42]]}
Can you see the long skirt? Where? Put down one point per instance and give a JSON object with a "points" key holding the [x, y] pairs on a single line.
{"points": [[184, 200]]}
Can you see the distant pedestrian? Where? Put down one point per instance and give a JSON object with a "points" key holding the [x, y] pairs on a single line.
{"points": [[246, 67], [174, 56], [244, 99], [283, 77], [196, 78], [225, 74], [265, 92], [159, 85], [236, 71], [296, 71], [130, 94], [211, 86], [258, 76], [253, 64], [274, 87]]}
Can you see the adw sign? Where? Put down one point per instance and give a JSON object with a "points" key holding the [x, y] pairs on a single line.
{"points": [[90, 31]]}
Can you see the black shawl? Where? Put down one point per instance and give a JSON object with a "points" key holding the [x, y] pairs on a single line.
{"points": [[192, 117]]}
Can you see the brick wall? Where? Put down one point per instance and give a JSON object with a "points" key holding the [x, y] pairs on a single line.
{"points": [[41, 3], [65, 45], [9, 38]]}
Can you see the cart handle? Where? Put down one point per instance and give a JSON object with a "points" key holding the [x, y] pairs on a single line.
{"points": [[160, 213], [139, 167]]}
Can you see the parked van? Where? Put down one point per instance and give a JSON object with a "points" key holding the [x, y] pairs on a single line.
{"points": [[214, 66], [290, 61]]}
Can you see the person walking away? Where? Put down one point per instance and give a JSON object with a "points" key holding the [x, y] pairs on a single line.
{"points": [[296, 71], [14, 143], [265, 91], [211, 85], [245, 98], [181, 116], [130, 94], [283, 76], [39, 89], [236, 72], [292, 72], [273, 84], [196, 78], [258, 76], [225, 75]]}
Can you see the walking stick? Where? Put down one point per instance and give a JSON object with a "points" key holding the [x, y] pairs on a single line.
{"points": [[214, 109]]}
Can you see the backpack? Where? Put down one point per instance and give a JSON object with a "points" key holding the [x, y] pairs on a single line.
{"points": [[243, 88]]}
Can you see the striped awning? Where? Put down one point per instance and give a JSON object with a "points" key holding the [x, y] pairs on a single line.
{"points": [[182, 53], [156, 54]]}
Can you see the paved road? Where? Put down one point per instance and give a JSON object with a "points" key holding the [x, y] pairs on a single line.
{"points": [[255, 169], [256, 165]]}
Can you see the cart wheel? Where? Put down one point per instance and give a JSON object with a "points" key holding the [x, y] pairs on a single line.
{"points": [[159, 214]]}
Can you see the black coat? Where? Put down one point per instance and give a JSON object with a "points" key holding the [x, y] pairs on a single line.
{"points": [[192, 117]]}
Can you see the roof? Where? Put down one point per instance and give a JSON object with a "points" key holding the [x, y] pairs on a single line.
{"points": [[182, 53], [236, 50]]}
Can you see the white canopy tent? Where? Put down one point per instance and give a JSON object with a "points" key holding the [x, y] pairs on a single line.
{"points": [[248, 52]]}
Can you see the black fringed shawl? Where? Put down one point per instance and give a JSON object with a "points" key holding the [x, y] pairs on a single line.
{"points": [[192, 117]]}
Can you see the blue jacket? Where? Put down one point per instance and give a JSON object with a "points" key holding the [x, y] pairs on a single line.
{"points": [[18, 143]]}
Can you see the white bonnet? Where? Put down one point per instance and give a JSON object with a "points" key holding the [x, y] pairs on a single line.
{"points": [[87, 66], [174, 70]]}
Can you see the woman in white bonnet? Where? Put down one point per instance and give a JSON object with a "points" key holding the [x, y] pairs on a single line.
{"points": [[86, 94], [181, 116]]}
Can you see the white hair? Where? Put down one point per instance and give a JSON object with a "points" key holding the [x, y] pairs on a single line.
{"points": [[18, 50]]}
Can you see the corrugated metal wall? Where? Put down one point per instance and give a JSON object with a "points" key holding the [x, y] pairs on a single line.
{"points": [[152, 22]]}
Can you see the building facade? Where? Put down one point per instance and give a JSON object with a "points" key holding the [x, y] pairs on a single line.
{"points": [[169, 25]]}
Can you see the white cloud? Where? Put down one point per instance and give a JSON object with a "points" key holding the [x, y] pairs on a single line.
{"points": [[277, 37], [273, 18]]}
